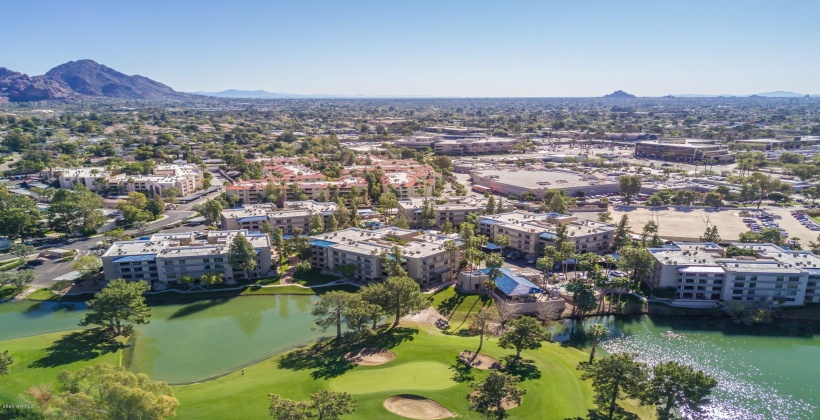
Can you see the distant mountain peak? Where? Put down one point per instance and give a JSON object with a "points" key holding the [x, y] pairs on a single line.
{"points": [[76, 80], [619, 94]]}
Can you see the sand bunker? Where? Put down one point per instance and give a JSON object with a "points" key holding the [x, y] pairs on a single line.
{"points": [[482, 361], [370, 357], [416, 407]]}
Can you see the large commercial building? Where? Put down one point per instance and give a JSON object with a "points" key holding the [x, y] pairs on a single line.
{"points": [[701, 273], [187, 178], [530, 233], [684, 150], [295, 214], [162, 259], [424, 255], [460, 144], [517, 181]]}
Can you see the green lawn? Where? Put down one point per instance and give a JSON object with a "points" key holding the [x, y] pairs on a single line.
{"points": [[38, 359], [459, 308], [8, 292], [43, 294], [425, 365], [313, 277]]}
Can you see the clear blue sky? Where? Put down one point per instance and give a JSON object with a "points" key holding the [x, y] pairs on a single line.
{"points": [[438, 48]]}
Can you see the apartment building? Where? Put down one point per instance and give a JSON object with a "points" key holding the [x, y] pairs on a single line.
{"points": [[460, 144], [187, 178], [408, 185], [424, 255], [684, 150], [701, 272], [295, 214], [454, 209], [530, 232], [253, 192], [162, 259]]}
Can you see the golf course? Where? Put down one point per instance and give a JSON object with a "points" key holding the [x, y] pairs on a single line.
{"points": [[224, 357]]}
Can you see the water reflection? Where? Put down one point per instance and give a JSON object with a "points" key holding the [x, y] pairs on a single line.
{"points": [[764, 371]]}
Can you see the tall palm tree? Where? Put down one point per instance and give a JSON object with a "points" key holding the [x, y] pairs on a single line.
{"points": [[596, 331], [452, 250]]}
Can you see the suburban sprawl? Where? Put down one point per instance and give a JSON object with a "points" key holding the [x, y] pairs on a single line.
{"points": [[404, 258]]}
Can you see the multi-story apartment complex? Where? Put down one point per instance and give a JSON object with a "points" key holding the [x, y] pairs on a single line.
{"points": [[454, 210], [424, 255], [253, 191], [701, 272], [295, 214], [684, 150], [408, 185], [530, 233], [187, 178], [163, 258]]}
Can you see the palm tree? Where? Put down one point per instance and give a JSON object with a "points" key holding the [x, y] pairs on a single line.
{"points": [[452, 249], [596, 331]]}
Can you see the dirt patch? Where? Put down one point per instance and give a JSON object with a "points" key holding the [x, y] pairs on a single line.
{"points": [[416, 407], [507, 404], [370, 356], [481, 361]]}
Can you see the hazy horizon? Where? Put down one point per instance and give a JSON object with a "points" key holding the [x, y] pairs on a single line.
{"points": [[431, 49]]}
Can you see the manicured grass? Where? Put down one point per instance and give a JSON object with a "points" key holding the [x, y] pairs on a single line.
{"points": [[43, 294], [11, 264], [459, 308], [554, 390], [416, 376], [313, 277], [38, 359]]}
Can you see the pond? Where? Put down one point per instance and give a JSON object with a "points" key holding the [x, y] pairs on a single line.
{"points": [[187, 341], [764, 371]]}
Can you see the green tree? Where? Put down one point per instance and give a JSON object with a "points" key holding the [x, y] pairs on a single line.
{"points": [[17, 279], [712, 199], [674, 386], [5, 362], [106, 392], [481, 322], [76, 210], [209, 279], [332, 224], [605, 217], [317, 224], [615, 377], [118, 303], [494, 262], [242, 255], [545, 264], [19, 215], [323, 405], [558, 204], [21, 250], [524, 333], [278, 241], [597, 331], [491, 394], [638, 263], [88, 265], [711, 235], [621, 237], [399, 295], [502, 240], [629, 186], [211, 210], [331, 308]]}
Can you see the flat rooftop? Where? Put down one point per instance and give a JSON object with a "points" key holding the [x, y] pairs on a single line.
{"points": [[542, 179]]}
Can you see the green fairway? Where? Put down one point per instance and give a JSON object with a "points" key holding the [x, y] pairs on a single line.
{"points": [[38, 359], [415, 376], [459, 308], [554, 390]]}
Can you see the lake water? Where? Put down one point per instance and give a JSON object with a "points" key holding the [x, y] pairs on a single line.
{"points": [[190, 340], [764, 371]]}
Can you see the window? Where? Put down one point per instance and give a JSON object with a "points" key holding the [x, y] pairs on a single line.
{"points": [[794, 279]]}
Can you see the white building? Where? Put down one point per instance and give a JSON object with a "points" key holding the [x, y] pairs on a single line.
{"points": [[162, 259], [187, 178], [701, 272], [425, 257], [296, 214]]}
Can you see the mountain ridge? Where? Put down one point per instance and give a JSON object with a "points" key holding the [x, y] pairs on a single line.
{"points": [[82, 79]]}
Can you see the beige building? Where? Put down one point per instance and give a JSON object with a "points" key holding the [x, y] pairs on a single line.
{"points": [[454, 210], [425, 257], [684, 150], [517, 181], [187, 178], [296, 214], [163, 258], [530, 233], [253, 192]]}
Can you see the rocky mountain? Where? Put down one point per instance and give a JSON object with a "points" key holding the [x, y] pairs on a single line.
{"points": [[619, 94], [78, 80]]}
